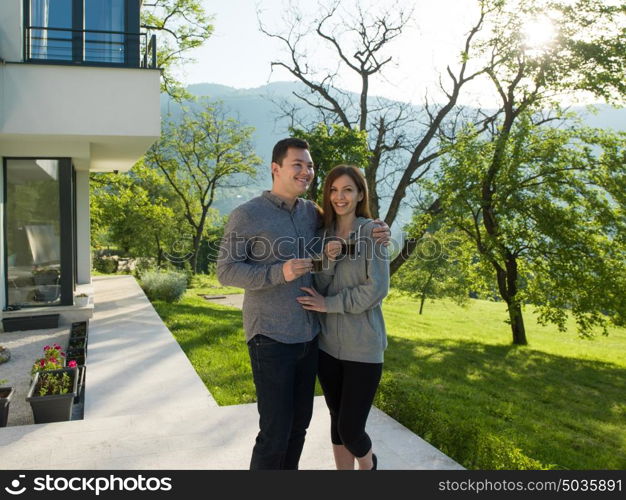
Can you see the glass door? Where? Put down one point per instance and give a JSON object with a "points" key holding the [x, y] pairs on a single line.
{"points": [[33, 232]]}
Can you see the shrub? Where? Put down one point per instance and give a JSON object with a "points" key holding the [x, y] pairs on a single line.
{"points": [[167, 286], [468, 442], [105, 265]]}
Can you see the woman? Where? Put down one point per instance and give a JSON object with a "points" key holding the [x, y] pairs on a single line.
{"points": [[351, 288]]}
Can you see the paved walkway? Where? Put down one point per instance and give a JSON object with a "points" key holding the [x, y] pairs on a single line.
{"points": [[146, 408]]}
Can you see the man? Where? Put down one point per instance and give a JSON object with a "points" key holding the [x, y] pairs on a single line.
{"points": [[266, 251]]}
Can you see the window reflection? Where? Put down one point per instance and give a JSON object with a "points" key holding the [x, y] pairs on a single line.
{"points": [[33, 232]]}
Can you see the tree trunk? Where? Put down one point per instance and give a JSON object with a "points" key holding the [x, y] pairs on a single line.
{"points": [[159, 252], [410, 244], [422, 302], [517, 323]]}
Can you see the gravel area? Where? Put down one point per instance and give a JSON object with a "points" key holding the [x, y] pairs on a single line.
{"points": [[25, 347]]}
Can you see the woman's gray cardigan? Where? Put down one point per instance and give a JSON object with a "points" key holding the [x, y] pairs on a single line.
{"points": [[353, 327]]}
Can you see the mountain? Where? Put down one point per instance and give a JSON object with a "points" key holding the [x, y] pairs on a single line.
{"points": [[257, 107]]}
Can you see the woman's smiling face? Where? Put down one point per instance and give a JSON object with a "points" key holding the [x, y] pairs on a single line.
{"points": [[344, 195]]}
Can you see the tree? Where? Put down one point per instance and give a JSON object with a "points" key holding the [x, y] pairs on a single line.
{"points": [[135, 212], [206, 151], [331, 146], [404, 144], [182, 25], [440, 267], [549, 226], [528, 174]]}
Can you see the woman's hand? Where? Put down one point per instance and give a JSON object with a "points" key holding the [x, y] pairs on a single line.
{"points": [[333, 249], [381, 232], [313, 302]]}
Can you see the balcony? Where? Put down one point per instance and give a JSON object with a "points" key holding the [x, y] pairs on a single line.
{"points": [[89, 47]]}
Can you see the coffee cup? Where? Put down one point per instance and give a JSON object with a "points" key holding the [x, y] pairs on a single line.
{"points": [[317, 262]]}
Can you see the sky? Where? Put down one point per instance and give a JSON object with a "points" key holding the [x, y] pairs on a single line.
{"points": [[239, 55]]}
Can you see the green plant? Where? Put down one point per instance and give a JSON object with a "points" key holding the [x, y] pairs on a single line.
{"points": [[53, 383], [105, 265], [167, 286]]}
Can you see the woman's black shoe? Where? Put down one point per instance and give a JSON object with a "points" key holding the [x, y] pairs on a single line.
{"points": [[375, 461]]}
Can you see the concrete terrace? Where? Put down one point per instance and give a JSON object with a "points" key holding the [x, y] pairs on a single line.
{"points": [[146, 408]]}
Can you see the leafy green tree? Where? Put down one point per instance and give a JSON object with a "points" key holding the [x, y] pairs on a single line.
{"points": [[181, 25], [206, 151], [539, 208], [525, 177], [331, 146], [440, 267], [135, 212]]}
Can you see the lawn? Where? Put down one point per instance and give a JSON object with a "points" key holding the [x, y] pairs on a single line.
{"points": [[452, 376]]}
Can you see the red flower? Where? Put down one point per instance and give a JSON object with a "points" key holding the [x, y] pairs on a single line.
{"points": [[72, 364], [42, 362], [46, 348]]}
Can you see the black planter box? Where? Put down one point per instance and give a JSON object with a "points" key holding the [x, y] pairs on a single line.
{"points": [[78, 329], [78, 355], [52, 408], [77, 343], [30, 322]]}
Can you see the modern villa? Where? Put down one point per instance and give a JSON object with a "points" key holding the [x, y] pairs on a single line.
{"points": [[79, 93]]}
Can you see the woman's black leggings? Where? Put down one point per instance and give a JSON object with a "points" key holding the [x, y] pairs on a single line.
{"points": [[349, 389]]}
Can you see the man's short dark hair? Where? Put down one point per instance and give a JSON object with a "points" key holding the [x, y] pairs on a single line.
{"points": [[280, 149]]}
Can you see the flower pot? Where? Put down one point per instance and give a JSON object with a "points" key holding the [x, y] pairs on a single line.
{"points": [[78, 329], [55, 407], [81, 301], [77, 343], [78, 355], [6, 393]]}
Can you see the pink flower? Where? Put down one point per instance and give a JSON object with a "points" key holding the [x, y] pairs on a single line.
{"points": [[72, 364], [63, 354], [57, 346], [42, 362], [47, 348]]}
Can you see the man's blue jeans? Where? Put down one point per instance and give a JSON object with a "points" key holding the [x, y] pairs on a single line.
{"points": [[284, 376]]}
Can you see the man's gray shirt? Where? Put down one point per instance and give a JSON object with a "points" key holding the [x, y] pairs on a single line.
{"points": [[260, 236]]}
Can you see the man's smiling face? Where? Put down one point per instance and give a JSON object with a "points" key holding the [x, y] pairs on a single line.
{"points": [[293, 177]]}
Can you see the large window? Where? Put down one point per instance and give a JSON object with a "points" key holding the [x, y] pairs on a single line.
{"points": [[104, 25], [83, 31], [38, 225], [51, 34]]}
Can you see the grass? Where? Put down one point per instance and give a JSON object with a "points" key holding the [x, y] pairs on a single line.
{"points": [[453, 377]]}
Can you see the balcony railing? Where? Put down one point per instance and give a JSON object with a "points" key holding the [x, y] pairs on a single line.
{"points": [[89, 47]]}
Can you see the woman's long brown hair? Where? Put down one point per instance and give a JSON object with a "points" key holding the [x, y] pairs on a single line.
{"points": [[363, 206]]}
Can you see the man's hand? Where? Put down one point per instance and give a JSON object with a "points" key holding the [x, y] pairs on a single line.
{"points": [[381, 232], [294, 268], [314, 302], [333, 249]]}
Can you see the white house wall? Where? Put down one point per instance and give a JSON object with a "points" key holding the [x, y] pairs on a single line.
{"points": [[83, 229], [113, 111]]}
